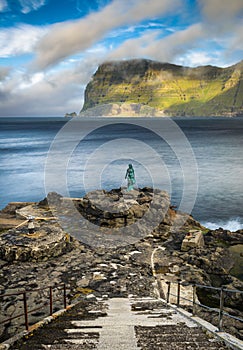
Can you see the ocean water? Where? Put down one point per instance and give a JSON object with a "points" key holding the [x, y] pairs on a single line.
{"points": [[199, 161]]}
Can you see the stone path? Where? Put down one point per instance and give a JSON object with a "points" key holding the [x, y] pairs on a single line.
{"points": [[121, 324]]}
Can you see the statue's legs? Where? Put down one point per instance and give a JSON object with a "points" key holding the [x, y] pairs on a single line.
{"points": [[130, 184]]}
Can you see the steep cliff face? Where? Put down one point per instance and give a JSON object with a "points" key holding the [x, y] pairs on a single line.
{"points": [[144, 87]]}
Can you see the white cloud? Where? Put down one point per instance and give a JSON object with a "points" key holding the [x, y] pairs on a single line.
{"points": [[237, 39], [220, 17], [67, 38], [3, 5], [31, 5], [4, 71], [218, 10], [222, 23], [165, 49], [120, 32], [26, 5], [196, 58], [19, 40], [31, 80], [219, 33], [60, 90], [55, 92]]}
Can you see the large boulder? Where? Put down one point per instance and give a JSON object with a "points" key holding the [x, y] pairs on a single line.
{"points": [[193, 239]]}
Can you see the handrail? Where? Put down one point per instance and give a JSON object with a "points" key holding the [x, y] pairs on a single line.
{"points": [[222, 290], [27, 312], [234, 317], [217, 288], [220, 309]]}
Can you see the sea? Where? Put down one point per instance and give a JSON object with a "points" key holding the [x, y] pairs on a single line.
{"points": [[198, 161]]}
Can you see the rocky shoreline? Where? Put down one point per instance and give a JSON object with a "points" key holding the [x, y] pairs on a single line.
{"points": [[53, 255]]}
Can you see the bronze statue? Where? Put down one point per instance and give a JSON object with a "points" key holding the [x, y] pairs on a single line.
{"points": [[130, 176]]}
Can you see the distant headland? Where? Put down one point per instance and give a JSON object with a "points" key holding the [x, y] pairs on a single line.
{"points": [[142, 87]]}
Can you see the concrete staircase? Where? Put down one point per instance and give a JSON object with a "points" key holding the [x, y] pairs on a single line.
{"points": [[120, 324]]}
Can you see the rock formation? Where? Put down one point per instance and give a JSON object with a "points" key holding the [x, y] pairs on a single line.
{"points": [[193, 239], [50, 256], [149, 88], [70, 115]]}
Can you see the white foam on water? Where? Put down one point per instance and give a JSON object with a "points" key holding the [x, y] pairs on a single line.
{"points": [[232, 225]]}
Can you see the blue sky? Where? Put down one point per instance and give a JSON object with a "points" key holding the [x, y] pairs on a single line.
{"points": [[49, 49]]}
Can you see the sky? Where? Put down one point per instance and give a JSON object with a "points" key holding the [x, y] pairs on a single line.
{"points": [[49, 49]]}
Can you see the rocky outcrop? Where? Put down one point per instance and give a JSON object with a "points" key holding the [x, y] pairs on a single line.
{"points": [[118, 208], [8, 217], [193, 239], [47, 242], [70, 115], [50, 256], [122, 217], [148, 88]]}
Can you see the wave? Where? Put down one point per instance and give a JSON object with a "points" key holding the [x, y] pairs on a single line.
{"points": [[232, 225]]}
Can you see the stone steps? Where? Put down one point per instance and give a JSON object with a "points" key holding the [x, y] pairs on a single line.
{"points": [[150, 326], [167, 338]]}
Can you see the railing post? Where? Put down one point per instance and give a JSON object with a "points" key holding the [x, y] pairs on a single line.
{"points": [[65, 296], [160, 288], [194, 293], [50, 291], [168, 293], [25, 312], [221, 308], [178, 294]]}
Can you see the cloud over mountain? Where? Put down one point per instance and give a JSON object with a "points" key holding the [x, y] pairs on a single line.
{"points": [[71, 37], [36, 52]]}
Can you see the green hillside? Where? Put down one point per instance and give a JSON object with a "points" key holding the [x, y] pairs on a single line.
{"points": [[165, 89]]}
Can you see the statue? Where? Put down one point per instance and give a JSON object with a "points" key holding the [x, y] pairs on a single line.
{"points": [[130, 176]]}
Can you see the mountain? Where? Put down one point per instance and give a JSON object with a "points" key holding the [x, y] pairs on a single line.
{"points": [[145, 87]]}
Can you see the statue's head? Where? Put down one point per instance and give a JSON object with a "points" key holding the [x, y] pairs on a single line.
{"points": [[130, 165]]}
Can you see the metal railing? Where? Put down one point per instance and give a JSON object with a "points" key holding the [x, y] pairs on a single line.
{"points": [[26, 308], [220, 309]]}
